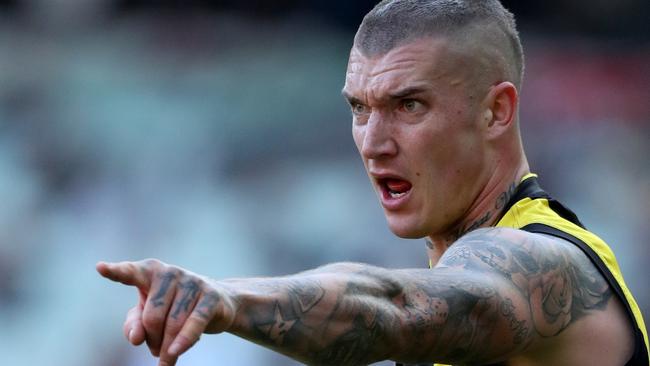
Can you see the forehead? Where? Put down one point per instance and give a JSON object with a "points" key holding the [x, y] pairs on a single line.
{"points": [[423, 62]]}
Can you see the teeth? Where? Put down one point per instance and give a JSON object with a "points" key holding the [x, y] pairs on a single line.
{"points": [[396, 194]]}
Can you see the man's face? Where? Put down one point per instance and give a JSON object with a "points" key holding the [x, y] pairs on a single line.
{"points": [[415, 124]]}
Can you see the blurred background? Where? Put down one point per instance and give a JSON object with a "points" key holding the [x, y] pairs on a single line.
{"points": [[212, 135]]}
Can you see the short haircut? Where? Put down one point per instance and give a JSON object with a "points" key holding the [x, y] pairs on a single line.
{"points": [[393, 23]]}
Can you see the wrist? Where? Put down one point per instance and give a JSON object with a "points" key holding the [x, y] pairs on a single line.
{"points": [[221, 298]]}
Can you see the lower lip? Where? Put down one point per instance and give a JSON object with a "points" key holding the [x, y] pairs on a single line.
{"points": [[394, 203]]}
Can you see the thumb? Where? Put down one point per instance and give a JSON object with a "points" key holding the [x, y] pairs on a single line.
{"points": [[128, 273]]}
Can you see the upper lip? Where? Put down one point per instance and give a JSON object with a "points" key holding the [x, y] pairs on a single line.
{"points": [[379, 175]]}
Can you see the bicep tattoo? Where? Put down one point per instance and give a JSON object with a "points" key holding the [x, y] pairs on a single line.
{"points": [[557, 280]]}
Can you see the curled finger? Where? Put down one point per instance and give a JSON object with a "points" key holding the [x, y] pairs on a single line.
{"points": [[187, 295], [195, 325], [133, 328], [157, 307]]}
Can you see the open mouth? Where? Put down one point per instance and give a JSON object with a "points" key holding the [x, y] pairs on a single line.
{"points": [[394, 188]]}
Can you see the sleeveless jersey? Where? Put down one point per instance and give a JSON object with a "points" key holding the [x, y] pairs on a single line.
{"points": [[533, 210]]}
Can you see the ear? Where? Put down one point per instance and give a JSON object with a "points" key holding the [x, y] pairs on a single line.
{"points": [[500, 109]]}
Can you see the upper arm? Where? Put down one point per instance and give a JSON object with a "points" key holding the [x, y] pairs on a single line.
{"points": [[534, 286]]}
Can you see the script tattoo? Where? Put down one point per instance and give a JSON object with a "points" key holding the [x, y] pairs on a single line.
{"points": [[501, 202], [167, 279], [505, 197], [207, 305], [518, 327], [189, 291], [458, 233]]}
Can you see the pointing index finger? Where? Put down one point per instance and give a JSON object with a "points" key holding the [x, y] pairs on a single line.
{"points": [[128, 273]]}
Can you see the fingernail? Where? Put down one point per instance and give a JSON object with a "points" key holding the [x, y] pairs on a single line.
{"points": [[131, 335], [174, 349]]}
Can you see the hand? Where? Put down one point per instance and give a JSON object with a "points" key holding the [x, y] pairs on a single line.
{"points": [[175, 306]]}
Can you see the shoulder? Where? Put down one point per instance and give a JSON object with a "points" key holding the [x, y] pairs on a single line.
{"points": [[524, 253], [555, 277]]}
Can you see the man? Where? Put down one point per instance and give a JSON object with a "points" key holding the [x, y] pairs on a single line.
{"points": [[433, 87]]}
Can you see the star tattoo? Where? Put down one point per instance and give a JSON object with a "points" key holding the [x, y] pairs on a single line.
{"points": [[278, 327]]}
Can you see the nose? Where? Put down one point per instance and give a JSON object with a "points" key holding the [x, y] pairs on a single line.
{"points": [[378, 140]]}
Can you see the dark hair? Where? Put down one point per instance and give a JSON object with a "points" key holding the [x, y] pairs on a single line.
{"points": [[392, 23]]}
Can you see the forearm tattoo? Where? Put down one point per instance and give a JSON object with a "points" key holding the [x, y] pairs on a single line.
{"points": [[322, 318]]}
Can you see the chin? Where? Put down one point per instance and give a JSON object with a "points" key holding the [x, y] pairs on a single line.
{"points": [[406, 230]]}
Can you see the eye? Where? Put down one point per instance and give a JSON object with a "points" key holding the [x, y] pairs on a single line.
{"points": [[358, 108], [411, 105]]}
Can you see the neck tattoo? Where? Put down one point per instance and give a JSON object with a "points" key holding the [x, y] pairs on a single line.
{"points": [[501, 202]]}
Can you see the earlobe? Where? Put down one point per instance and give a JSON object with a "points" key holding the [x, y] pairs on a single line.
{"points": [[501, 107]]}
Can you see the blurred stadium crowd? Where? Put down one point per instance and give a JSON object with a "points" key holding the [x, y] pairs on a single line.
{"points": [[213, 135]]}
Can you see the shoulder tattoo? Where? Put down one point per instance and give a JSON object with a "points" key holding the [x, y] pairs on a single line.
{"points": [[559, 282]]}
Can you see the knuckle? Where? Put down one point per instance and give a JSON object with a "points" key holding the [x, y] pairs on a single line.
{"points": [[175, 271], [197, 324], [152, 320], [152, 263], [185, 276], [175, 322], [203, 283], [172, 328], [192, 284]]}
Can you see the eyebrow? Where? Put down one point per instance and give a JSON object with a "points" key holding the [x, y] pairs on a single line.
{"points": [[399, 94], [350, 98], [406, 92]]}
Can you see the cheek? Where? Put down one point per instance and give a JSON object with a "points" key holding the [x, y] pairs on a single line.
{"points": [[462, 166], [450, 150]]}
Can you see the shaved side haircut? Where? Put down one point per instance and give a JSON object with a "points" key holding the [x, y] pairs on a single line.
{"points": [[479, 23]]}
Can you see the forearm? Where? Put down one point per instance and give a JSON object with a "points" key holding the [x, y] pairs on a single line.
{"points": [[342, 314], [350, 314]]}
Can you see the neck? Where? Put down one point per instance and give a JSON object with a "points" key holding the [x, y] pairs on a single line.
{"points": [[485, 211]]}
